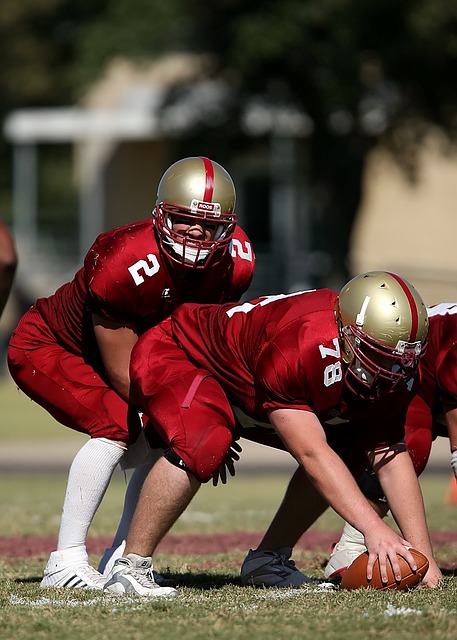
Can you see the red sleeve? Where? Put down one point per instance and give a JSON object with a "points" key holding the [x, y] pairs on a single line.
{"points": [[290, 369], [293, 367], [446, 379], [419, 432], [111, 291], [276, 383], [244, 260]]}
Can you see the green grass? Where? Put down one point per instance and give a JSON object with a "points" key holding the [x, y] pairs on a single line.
{"points": [[231, 612], [212, 604]]}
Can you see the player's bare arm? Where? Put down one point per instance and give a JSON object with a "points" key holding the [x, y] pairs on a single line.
{"points": [[395, 469], [115, 342], [304, 437]]}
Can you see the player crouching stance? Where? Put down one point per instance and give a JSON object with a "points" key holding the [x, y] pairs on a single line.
{"points": [[431, 414], [70, 352], [332, 374]]}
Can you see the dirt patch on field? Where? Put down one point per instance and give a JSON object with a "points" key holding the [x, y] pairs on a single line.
{"points": [[29, 546], [32, 546]]}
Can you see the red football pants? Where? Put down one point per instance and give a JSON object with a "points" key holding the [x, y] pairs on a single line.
{"points": [[184, 403], [65, 385]]}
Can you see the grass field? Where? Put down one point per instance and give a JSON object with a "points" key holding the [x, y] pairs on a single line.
{"points": [[203, 552]]}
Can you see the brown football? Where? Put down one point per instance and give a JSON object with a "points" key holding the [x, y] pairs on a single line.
{"points": [[355, 576]]}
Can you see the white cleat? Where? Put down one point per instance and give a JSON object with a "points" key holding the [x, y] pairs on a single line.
{"points": [[70, 569], [114, 553], [133, 575]]}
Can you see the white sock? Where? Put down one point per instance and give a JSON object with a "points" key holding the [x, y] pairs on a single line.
{"points": [[132, 494], [352, 534], [130, 501], [88, 479]]}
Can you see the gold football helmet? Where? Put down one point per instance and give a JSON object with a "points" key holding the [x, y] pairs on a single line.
{"points": [[383, 325], [195, 191]]}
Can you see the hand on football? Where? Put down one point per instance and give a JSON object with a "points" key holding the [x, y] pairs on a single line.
{"points": [[384, 544], [433, 577]]}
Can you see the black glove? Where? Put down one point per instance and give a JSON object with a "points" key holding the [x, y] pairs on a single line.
{"points": [[228, 464]]}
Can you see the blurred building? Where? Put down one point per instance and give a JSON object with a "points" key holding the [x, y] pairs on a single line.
{"points": [[128, 129], [135, 122], [410, 226]]}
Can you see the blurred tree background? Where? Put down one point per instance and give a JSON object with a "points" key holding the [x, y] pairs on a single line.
{"points": [[363, 70]]}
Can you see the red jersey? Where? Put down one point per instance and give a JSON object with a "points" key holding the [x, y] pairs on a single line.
{"points": [[283, 352], [439, 365], [438, 385], [125, 278], [438, 388]]}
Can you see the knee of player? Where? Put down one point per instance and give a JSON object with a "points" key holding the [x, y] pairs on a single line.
{"points": [[212, 453], [208, 455]]}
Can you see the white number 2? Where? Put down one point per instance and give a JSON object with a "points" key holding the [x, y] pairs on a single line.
{"points": [[148, 269], [237, 249]]}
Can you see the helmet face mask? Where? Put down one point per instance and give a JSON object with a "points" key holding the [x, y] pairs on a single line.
{"points": [[375, 370], [195, 192], [383, 325]]}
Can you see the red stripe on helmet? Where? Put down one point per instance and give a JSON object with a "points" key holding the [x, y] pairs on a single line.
{"points": [[412, 305], [209, 181]]}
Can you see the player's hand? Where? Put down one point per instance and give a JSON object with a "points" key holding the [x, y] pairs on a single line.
{"points": [[433, 576], [228, 464], [383, 543]]}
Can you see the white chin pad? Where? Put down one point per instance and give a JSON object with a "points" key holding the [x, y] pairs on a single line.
{"points": [[191, 254]]}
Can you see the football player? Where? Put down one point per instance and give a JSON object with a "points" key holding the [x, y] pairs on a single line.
{"points": [[432, 413], [8, 264], [71, 351], [326, 376]]}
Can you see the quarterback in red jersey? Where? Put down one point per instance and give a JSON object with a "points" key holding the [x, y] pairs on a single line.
{"points": [[328, 377], [432, 413], [70, 352]]}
